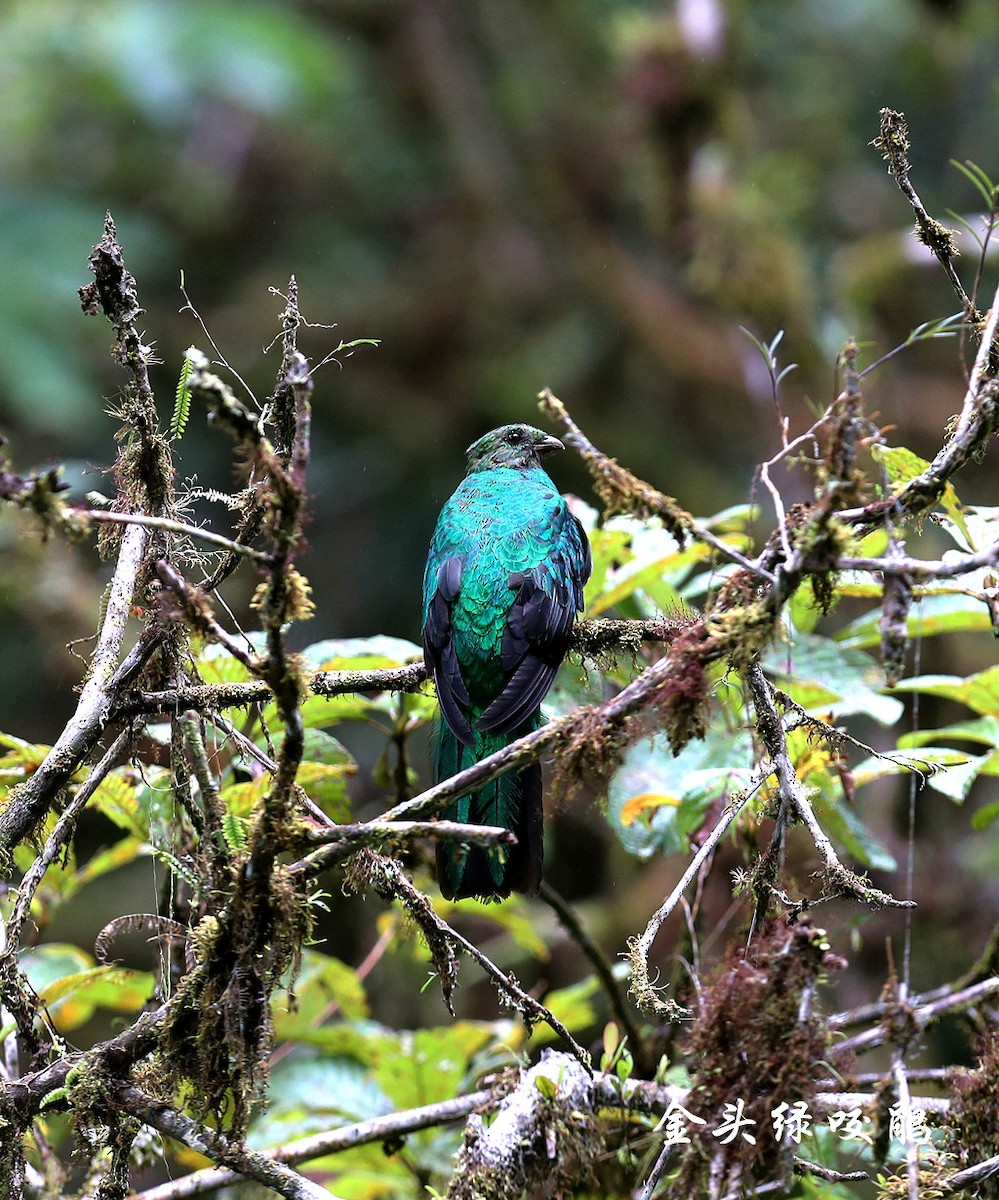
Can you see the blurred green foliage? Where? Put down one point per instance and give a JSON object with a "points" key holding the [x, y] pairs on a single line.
{"points": [[588, 195]]}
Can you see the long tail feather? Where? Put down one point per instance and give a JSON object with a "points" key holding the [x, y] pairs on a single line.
{"points": [[512, 801]]}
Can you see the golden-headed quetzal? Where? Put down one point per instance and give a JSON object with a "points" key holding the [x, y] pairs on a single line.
{"points": [[503, 584]]}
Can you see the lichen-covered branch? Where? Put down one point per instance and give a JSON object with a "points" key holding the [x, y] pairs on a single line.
{"points": [[247, 1163], [893, 141], [144, 473], [839, 880]]}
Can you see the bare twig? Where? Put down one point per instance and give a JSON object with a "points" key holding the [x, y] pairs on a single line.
{"points": [[642, 989], [970, 1177], [28, 802], [389, 881], [145, 480], [574, 927], [178, 527], [55, 842], [921, 1015], [976, 423], [925, 570], [375, 833]]}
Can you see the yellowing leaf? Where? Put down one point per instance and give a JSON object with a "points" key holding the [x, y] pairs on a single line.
{"points": [[637, 806]]}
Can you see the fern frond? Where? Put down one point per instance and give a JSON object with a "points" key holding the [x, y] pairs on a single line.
{"points": [[182, 404]]}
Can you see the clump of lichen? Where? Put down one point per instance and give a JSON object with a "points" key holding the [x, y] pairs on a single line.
{"points": [[758, 1042], [974, 1113], [218, 1029]]}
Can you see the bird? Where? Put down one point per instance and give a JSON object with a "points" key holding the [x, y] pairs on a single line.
{"points": [[502, 588]]}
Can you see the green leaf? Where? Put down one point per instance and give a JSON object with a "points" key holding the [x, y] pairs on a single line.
{"points": [[216, 665], [513, 917], [573, 1006], [73, 988], [831, 680], [948, 771], [430, 1065], [123, 852], [117, 797], [979, 692], [311, 1092], [980, 729], [324, 986], [844, 826], [235, 830], [985, 816], [945, 612], [978, 180], [902, 465], [361, 654], [685, 783]]}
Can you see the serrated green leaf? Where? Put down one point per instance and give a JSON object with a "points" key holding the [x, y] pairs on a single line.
{"points": [[235, 830], [831, 680], [117, 797]]}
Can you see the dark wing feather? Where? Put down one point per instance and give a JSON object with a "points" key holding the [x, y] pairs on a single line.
{"points": [[537, 630], [439, 652]]}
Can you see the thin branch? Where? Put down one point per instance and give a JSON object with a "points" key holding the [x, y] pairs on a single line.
{"points": [[976, 423], [250, 1164], [198, 614], [145, 479], [894, 143], [954, 565], [921, 1015], [377, 1129], [970, 1177], [622, 491], [574, 928], [28, 802], [178, 527], [54, 843], [588, 639], [377, 832], [841, 881], [642, 989]]}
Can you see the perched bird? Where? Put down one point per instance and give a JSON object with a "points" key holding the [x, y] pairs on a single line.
{"points": [[503, 584]]}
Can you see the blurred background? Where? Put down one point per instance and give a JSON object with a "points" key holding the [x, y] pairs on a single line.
{"points": [[591, 195]]}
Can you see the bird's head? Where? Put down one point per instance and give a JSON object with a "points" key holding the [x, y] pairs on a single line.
{"points": [[517, 446]]}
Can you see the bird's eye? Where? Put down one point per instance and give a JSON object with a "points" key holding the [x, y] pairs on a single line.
{"points": [[515, 435]]}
